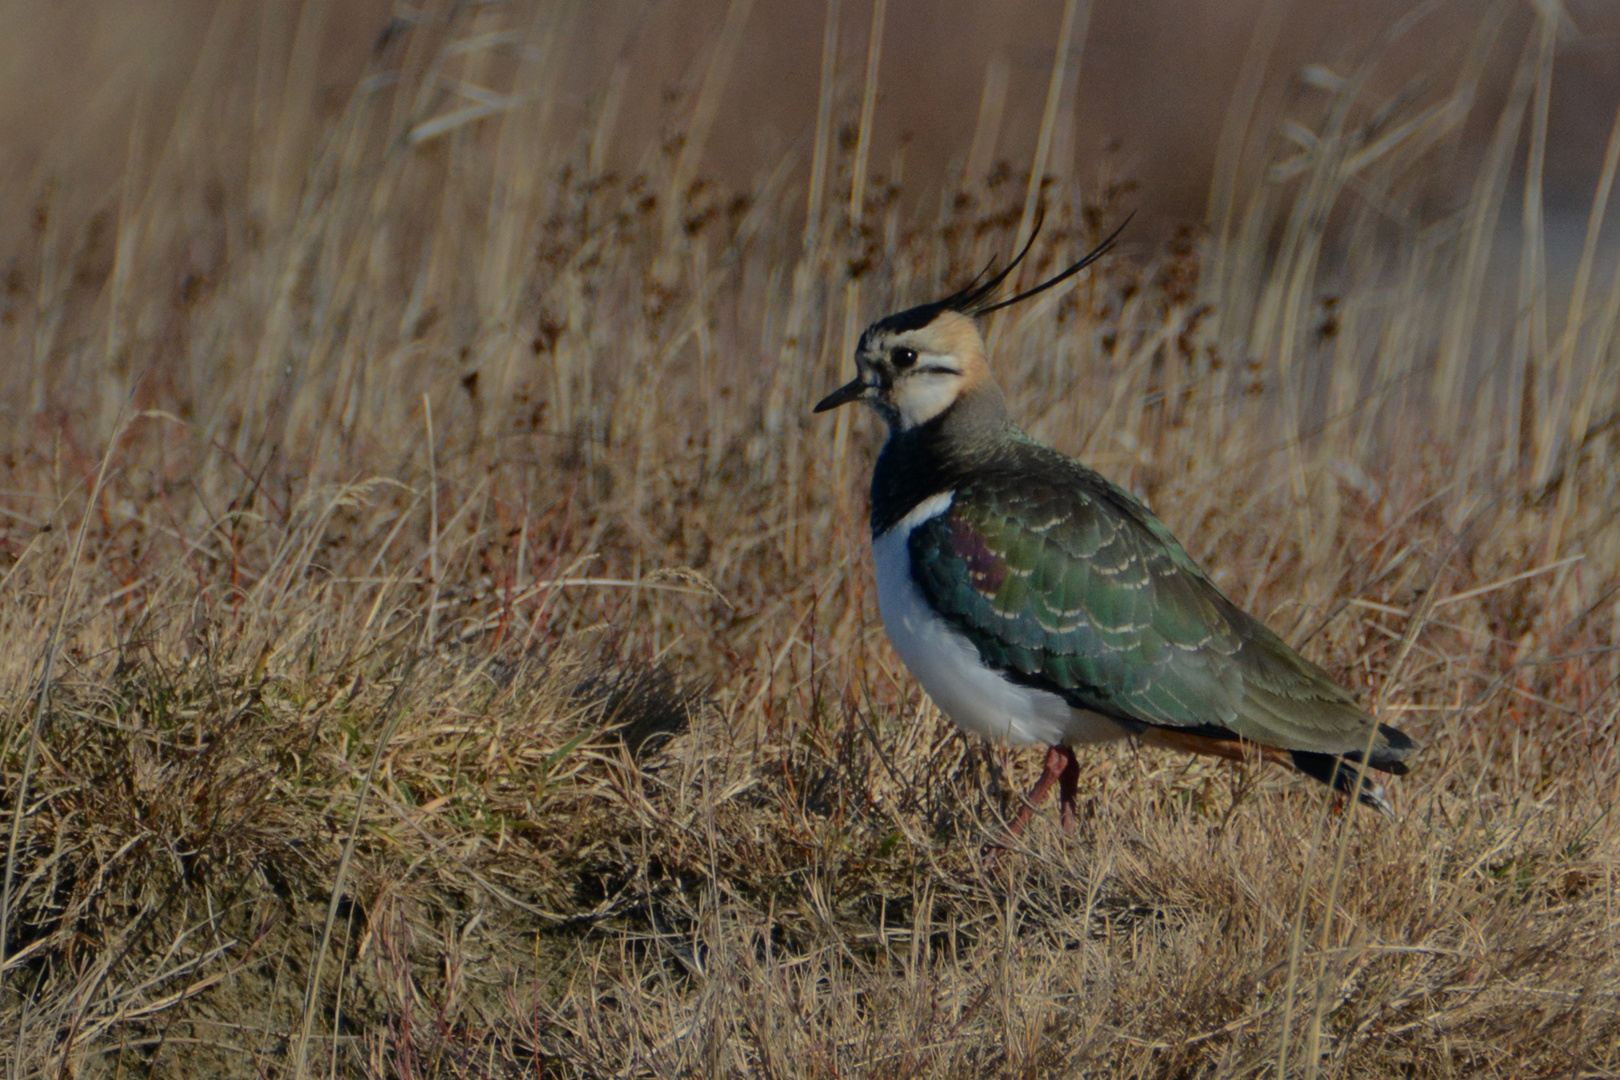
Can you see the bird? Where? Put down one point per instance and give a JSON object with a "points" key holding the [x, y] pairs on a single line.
{"points": [[1036, 602]]}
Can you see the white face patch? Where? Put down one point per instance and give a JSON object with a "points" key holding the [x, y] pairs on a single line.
{"points": [[925, 392], [916, 374]]}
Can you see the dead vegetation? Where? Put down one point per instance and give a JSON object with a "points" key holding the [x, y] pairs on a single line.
{"points": [[441, 643]]}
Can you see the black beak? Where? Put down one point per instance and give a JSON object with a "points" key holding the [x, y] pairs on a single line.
{"points": [[845, 394]]}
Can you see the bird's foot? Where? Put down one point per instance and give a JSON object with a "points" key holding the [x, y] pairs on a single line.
{"points": [[1063, 769], [1068, 788]]}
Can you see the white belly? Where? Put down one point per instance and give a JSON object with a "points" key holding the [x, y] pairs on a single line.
{"points": [[948, 666]]}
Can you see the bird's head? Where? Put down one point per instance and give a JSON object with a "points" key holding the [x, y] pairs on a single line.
{"points": [[914, 365]]}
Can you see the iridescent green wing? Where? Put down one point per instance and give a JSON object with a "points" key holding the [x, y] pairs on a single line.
{"points": [[1066, 582]]}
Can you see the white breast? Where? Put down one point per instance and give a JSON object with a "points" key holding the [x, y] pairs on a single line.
{"points": [[947, 664]]}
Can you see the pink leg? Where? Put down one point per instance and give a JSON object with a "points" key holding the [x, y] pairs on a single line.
{"points": [[1068, 787], [1062, 769]]}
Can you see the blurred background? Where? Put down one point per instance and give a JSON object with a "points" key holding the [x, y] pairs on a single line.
{"points": [[209, 117], [1288, 154], [1147, 94]]}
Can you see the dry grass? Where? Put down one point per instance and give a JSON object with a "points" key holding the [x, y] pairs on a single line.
{"points": [[441, 643]]}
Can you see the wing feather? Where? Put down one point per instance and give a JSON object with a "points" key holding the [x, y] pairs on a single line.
{"points": [[1065, 581]]}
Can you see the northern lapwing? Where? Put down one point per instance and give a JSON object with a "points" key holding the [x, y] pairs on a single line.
{"points": [[1036, 602]]}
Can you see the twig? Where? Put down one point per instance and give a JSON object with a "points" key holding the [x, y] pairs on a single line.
{"points": [[42, 700], [431, 623], [312, 988]]}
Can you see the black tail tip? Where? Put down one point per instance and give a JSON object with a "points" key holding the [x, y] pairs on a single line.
{"points": [[1397, 742], [1391, 757], [1343, 774]]}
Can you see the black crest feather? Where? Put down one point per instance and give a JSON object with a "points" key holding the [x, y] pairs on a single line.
{"points": [[1085, 260], [977, 297]]}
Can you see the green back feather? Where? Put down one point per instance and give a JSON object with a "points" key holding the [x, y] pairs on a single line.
{"points": [[1066, 581]]}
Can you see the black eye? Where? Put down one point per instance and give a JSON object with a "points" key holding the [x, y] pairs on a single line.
{"points": [[903, 358]]}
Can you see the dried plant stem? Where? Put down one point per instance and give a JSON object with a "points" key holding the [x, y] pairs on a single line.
{"points": [[42, 697], [391, 716], [1529, 360], [789, 376], [857, 206], [703, 115], [1050, 112], [1235, 127], [430, 624], [987, 129], [1576, 395], [1397, 670], [1479, 233], [815, 193]]}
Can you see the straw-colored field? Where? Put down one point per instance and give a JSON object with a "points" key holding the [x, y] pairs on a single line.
{"points": [[439, 641]]}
